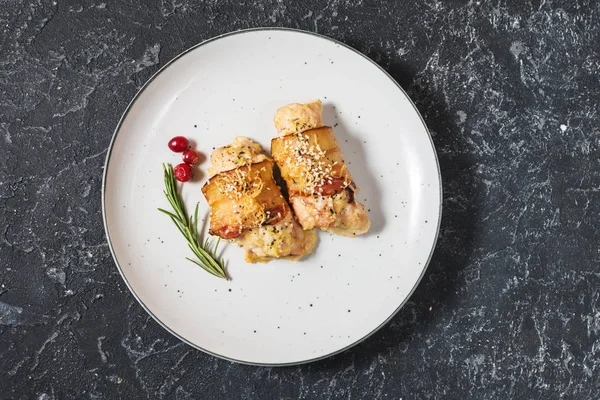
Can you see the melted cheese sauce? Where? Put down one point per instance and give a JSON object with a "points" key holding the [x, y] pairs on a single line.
{"points": [[298, 117], [240, 152]]}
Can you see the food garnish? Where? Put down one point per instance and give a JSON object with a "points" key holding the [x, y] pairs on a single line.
{"points": [[203, 249], [190, 156], [183, 172], [178, 144]]}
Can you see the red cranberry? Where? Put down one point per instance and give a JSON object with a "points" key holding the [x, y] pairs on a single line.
{"points": [[190, 156], [178, 144], [183, 172]]}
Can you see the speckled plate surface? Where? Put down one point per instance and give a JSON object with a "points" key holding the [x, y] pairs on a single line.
{"points": [[279, 313]]}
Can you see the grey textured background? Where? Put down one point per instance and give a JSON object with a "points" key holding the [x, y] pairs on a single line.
{"points": [[509, 307]]}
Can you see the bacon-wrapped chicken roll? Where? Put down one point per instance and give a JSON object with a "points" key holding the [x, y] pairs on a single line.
{"points": [[320, 187]]}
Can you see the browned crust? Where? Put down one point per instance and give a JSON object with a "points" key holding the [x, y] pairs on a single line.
{"points": [[233, 210], [323, 162]]}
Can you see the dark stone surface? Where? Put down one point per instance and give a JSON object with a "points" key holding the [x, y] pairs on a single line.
{"points": [[510, 306]]}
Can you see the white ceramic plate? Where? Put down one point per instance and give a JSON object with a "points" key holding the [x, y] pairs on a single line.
{"points": [[279, 313]]}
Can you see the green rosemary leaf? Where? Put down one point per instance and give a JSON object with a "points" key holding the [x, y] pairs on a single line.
{"points": [[203, 249]]}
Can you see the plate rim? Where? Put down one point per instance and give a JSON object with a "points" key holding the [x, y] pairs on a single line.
{"points": [[104, 184]]}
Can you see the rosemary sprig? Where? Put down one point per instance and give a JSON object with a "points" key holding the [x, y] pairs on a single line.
{"points": [[205, 252]]}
